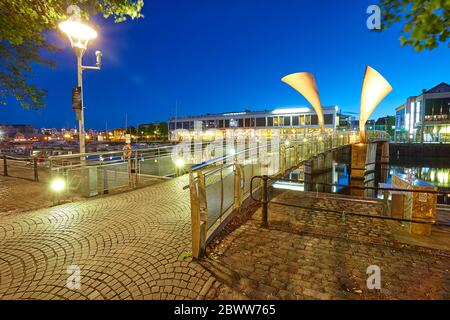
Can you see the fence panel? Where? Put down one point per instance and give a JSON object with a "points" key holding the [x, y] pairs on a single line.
{"points": [[214, 200]]}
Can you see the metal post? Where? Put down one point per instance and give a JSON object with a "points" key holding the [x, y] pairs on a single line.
{"points": [[79, 53], [5, 166], [264, 201], [105, 181], [35, 165]]}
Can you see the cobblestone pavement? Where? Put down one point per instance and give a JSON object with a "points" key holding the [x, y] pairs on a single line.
{"points": [[127, 246], [25, 170], [310, 254], [18, 195]]}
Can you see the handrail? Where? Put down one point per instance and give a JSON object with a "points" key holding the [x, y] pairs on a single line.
{"points": [[227, 156], [361, 188], [265, 201], [16, 158], [101, 153]]}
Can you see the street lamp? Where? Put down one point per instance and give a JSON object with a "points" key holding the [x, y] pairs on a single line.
{"points": [[79, 35]]}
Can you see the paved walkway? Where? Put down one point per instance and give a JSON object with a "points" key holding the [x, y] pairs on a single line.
{"points": [[127, 246], [311, 254], [135, 245], [18, 195]]}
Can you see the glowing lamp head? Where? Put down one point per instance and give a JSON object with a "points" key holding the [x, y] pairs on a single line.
{"points": [[179, 162], [58, 185], [79, 33]]}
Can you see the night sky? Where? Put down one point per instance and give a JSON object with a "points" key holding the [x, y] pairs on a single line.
{"points": [[216, 56]]}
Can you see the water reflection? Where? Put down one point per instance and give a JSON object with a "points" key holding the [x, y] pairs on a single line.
{"points": [[340, 174], [437, 176]]}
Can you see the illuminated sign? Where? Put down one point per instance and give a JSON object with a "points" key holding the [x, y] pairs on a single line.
{"points": [[291, 110]]}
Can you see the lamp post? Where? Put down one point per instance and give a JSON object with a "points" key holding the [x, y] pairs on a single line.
{"points": [[79, 35]]}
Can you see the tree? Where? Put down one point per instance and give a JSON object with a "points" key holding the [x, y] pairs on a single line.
{"points": [[23, 27], [131, 130], [163, 130], [426, 22]]}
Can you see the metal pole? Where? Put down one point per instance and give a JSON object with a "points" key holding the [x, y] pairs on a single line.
{"points": [[35, 165], [264, 201], [79, 53], [5, 166]]}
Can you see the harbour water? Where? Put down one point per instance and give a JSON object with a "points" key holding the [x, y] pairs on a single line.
{"points": [[339, 176]]}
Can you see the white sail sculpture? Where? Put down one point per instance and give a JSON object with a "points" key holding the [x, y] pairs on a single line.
{"points": [[305, 84], [374, 89]]}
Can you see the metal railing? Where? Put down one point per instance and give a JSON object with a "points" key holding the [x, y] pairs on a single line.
{"points": [[95, 173], [383, 196], [220, 187], [22, 167], [90, 174]]}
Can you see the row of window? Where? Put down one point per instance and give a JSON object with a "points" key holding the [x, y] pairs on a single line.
{"points": [[276, 121], [435, 107]]}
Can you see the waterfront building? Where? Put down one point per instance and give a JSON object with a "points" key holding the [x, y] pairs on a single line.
{"points": [[9, 131], [426, 117], [299, 121], [386, 124], [347, 122]]}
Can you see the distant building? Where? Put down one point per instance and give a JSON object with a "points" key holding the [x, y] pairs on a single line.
{"points": [[118, 134], [347, 122], [299, 121], [386, 124], [9, 131], [426, 117]]}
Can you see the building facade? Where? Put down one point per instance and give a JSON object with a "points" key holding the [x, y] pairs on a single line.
{"points": [[9, 131], [299, 121], [425, 118], [386, 124]]}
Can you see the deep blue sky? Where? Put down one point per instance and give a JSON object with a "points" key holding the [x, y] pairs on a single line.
{"points": [[229, 55]]}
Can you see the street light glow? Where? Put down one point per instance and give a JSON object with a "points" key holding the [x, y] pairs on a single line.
{"points": [[179, 162], [58, 185], [78, 33]]}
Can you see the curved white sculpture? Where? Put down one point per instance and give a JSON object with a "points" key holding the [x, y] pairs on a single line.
{"points": [[374, 89], [305, 84]]}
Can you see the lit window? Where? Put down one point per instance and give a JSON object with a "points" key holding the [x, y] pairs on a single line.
{"points": [[418, 111], [308, 120], [302, 120]]}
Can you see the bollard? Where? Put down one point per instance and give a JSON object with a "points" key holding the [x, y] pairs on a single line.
{"points": [[5, 166], [35, 165], [264, 201]]}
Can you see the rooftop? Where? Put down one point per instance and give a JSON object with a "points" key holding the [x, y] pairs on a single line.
{"points": [[277, 111]]}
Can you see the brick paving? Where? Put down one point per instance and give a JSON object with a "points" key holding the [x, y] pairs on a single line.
{"points": [[136, 245], [25, 170], [18, 195], [310, 254], [132, 245]]}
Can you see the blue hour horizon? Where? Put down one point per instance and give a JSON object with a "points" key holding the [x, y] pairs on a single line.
{"points": [[227, 57]]}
